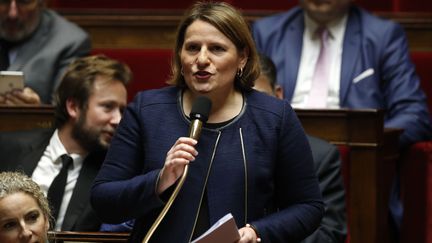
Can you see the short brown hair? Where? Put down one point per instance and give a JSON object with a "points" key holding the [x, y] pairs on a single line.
{"points": [[231, 23], [78, 80]]}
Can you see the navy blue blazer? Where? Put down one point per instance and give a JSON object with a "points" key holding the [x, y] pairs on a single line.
{"points": [[370, 43], [259, 167]]}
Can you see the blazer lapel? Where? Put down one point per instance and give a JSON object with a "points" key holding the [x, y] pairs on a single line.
{"points": [[351, 50], [292, 55]]}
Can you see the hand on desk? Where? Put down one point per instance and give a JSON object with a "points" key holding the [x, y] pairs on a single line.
{"points": [[27, 96]]}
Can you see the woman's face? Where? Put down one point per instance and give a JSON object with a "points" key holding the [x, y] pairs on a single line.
{"points": [[209, 59], [22, 220]]}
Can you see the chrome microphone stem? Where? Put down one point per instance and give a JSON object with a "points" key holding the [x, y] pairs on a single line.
{"points": [[167, 206], [199, 115], [194, 132]]}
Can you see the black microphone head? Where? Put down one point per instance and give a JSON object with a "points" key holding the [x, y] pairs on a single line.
{"points": [[201, 108]]}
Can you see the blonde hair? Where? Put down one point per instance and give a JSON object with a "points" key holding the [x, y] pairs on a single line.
{"points": [[14, 182]]}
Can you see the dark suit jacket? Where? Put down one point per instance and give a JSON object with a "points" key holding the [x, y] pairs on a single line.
{"points": [[45, 55], [22, 150], [327, 162], [373, 47]]}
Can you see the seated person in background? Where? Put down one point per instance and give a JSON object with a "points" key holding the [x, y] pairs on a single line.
{"points": [[364, 63], [327, 162], [89, 105], [332, 54], [41, 44], [24, 211]]}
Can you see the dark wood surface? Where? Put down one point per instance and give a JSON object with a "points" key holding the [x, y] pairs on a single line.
{"points": [[25, 117], [372, 156], [69, 236]]}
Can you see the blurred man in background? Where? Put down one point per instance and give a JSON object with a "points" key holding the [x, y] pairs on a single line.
{"points": [[40, 43]]}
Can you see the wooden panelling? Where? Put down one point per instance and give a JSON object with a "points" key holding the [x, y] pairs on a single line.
{"points": [[14, 118], [156, 28], [372, 159], [278, 5]]}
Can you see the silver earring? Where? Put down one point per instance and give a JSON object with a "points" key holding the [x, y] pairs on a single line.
{"points": [[240, 72], [181, 71]]}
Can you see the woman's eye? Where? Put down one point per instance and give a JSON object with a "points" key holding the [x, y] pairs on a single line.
{"points": [[9, 225], [192, 48], [218, 48], [33, 217]]}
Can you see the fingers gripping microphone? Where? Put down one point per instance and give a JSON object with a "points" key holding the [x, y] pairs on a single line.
{"points": [[199, 116]]}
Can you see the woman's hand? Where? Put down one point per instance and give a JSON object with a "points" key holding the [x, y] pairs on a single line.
{"points": [[180, 154], [27, 96], [248, 235]]}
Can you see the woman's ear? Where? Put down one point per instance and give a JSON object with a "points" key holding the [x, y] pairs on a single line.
{"points": [[47, 223], [244, 54]]}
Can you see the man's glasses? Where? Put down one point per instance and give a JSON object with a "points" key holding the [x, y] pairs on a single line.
{"points": [[19, 3]]}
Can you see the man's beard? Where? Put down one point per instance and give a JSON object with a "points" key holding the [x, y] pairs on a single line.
{"points": [[25, 30], [89, 139]]}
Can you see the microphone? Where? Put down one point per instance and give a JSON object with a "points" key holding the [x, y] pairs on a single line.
{"points": [[199, 116]]}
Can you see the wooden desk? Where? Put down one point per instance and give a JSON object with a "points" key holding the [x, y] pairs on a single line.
{"points": [[373, 152], [156, 28], [68, 236], [372, 157], [25, 117]]}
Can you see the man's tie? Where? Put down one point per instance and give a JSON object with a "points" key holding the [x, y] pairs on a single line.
{"points": [[320, 80], [56, 190]]}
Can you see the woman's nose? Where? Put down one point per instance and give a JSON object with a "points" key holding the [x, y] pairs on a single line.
{"points": [[203, 57], [26, 232]]}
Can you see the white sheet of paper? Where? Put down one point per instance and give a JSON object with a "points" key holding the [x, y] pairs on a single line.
{"points": [[224, 230]]}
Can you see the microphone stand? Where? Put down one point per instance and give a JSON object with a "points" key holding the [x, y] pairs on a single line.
{"points": [[167, 205], [194, 132]]}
